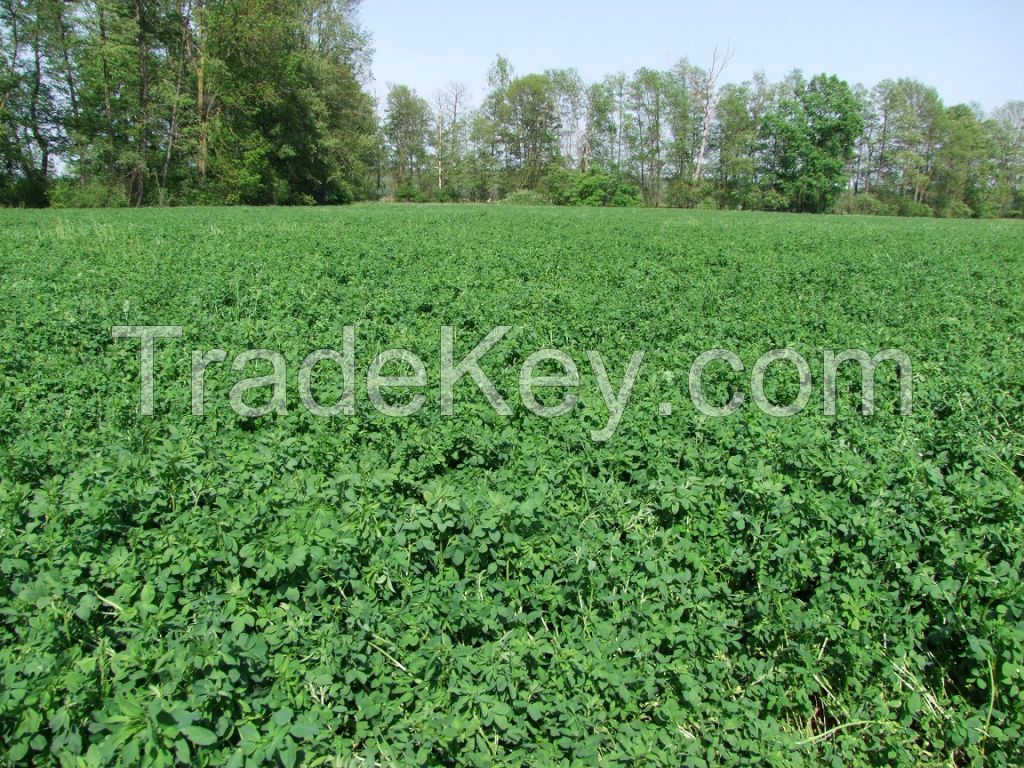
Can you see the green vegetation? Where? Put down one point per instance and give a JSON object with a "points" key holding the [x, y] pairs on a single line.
{"points": [[179, 102], [184, 102], [483, 590]]}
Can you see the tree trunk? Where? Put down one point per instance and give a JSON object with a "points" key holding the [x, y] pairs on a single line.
{"points": [[143, 133], [15, 47], [201, 96], [69, 74], [108, 111], [37, 129], [173, 128], [710, 103], [440, 141]]}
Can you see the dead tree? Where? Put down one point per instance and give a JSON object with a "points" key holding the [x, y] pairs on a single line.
{"points": [[709, 94], [449, 105]]}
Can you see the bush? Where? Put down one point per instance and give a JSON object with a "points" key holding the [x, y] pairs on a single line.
{"points": [[20, 192], [560, 186], [956, 210], [685, 193], [863, 204], [773, 200], [627, 195], [342, 194], [594, 188], [986, 209], [73, 193], [447, 195], [407, 193], [909, 207], [525, 197], [603, 189]]}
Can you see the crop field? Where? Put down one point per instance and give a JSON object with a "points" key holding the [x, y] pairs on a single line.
{"points": [[481, 589]]}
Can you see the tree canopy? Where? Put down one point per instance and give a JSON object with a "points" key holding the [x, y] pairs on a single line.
{"points": [[170, 102]]}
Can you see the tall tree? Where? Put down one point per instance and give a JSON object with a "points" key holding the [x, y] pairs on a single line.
{"points": [[571, 106], [1007, 131], [407, 129], [705, 88], [813, 131], [962, 164], [451, 107], [735, 140], [518, 126], [651, 96], [597, 149]]}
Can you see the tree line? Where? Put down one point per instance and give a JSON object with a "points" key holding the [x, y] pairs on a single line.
{"points": [[171, 102]]}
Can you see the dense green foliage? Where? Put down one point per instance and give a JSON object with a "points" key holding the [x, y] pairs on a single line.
{"points": [[592, 188], [179, 101], [483, 590], [685, 140], [169, 102], [813, 136]]}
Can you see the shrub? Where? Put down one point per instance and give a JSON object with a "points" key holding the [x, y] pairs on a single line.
{"points": [[986, 209], [525, 197], [447, 195], [863, 204], [956, 210], [909, 207], [560, 186], [594, 188], [685, 193], [21, 192], [627, 195], [773, 200], [604, 189], [407, 193], [71, 193]]}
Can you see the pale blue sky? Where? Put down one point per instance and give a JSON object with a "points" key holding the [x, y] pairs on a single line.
{"points": [[969, 51]]}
